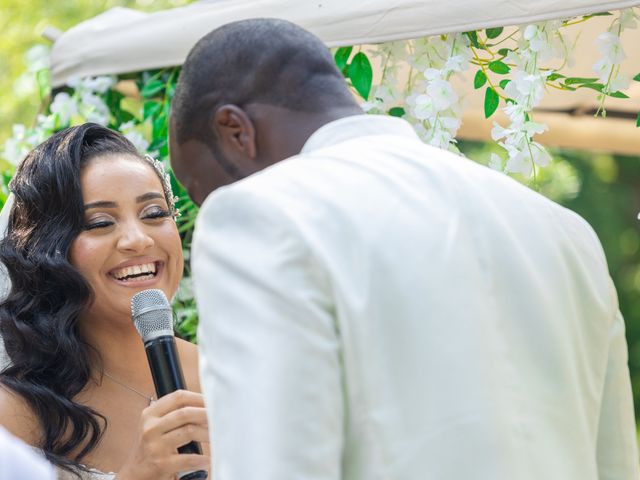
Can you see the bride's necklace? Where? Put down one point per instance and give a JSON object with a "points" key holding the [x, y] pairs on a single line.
{"points": [[138, 392]]}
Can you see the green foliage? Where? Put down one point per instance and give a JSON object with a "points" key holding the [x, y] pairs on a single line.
{"points": [[503, 83], [494, 32], [396, 112], [342, 57], [499, 67], [473, 38], [491, 102], [480, 79], [361, 74], [22, 23]]}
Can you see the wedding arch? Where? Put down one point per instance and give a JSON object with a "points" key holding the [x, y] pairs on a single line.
{"points": [[524, 74]]}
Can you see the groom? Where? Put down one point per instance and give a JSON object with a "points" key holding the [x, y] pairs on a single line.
{"points": [[375, 308]]}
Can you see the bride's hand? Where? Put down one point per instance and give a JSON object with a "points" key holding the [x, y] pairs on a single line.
{"points": [[169, 423]]}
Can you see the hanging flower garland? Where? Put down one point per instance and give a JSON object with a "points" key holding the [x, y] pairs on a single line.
{"points": [[514, 67]]}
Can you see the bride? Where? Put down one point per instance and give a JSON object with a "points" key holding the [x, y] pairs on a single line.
{"points": [[92, 223]]}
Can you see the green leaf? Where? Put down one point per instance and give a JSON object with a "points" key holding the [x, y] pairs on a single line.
{"points": [[152, 88], [43, 79], [361, 74], [150, 109], [638, 120], [575, 80], [342, 57], [637, 78], [601, 14], [499, 67], [396, 112], [473, 37], [504, 51], [592, 86], [491, 101], [618, 94], [494, 32], [504, 83], [479, 80], [555, 76], [159, 126]]}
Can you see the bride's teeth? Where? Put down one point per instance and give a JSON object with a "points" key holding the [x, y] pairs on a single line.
{"points": [[145, 271]]}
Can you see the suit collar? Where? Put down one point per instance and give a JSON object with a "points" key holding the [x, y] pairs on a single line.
{"points": [[355, 126]]}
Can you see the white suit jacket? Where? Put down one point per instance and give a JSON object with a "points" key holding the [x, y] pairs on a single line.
{"points": [[375, 308]]}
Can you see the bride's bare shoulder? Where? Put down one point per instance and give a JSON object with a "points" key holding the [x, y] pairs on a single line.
{"points": [[17, 417], [189, 358]]}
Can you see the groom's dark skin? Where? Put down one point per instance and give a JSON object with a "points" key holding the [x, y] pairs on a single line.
{"points": [[250, 139], [282, 95]]}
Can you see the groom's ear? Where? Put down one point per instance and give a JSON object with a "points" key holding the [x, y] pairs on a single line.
{"points": [[235, 132]]}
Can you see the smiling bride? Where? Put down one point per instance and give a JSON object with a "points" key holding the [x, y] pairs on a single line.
{"points": [[93, 223]]}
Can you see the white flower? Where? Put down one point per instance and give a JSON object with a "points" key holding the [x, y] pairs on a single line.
{"points": [[432, 74], [129, 130], [65, 107], [533, 128], [91, 84], [440, 138], [94, 109], [424, 108], [495, 162], [540, 155], [516, 113], [610, 46], [13, 152], [618, 82], [519, 163], [37, 58], [98, 84], [627, 18], [442, 94], [450, 124], [456, 63], [536, 37], [526, 88]]}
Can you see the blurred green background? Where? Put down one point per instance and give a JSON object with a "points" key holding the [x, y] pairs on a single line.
{"points": [[603, 188]]}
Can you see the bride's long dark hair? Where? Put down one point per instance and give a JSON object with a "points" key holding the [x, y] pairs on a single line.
{"points": [[50, 363]]}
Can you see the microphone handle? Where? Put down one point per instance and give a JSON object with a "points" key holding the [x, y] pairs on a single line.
{"points": [[167, 377]]}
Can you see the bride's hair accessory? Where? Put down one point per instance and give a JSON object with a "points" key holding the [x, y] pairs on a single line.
{"points": [[158, 166]]}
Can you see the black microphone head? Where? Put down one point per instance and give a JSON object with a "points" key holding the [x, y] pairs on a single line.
{"points": [[152, 314]]}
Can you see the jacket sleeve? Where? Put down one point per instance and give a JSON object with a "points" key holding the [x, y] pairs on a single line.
{"points": [[617, 450], [269, 351]]}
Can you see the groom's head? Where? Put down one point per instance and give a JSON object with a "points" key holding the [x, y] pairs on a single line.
{"points": [[249, 95]]}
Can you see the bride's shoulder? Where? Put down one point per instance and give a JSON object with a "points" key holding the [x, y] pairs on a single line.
{"points": [[17, 417], [189, 358]]}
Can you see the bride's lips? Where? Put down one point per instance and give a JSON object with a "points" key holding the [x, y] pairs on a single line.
{"points": [[143, 281]]}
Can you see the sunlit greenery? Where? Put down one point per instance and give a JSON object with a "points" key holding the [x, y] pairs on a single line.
{"points": [[22, 23]]}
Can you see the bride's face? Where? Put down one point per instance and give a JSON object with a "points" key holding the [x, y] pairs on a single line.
{"points": [[130, 241]]}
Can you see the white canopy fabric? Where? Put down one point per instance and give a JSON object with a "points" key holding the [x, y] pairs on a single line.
{"points": [[124, 40]]}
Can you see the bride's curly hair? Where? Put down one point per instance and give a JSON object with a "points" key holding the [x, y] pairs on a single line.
{"points": [[50, 363]]}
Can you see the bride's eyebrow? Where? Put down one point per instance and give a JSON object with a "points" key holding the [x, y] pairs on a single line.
{"points": [[108, 204], [100, 204], [148, 196]]}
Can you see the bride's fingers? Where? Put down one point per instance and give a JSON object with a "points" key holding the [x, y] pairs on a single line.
{"points": [[185, 434], [188, 461], [184, 416], [174, 401]]}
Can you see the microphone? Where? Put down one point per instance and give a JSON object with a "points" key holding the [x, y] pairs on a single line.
{"points": [[153, 318]]}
